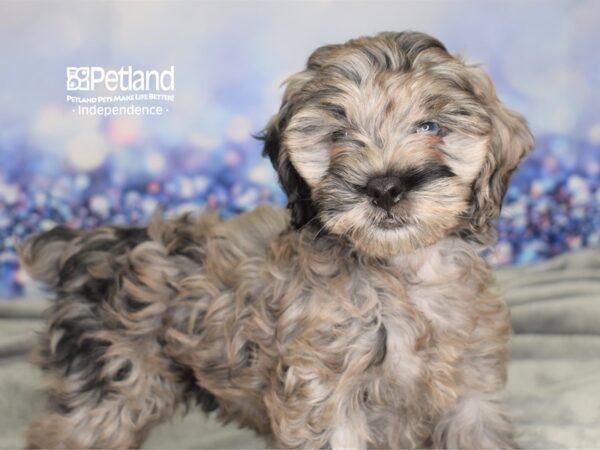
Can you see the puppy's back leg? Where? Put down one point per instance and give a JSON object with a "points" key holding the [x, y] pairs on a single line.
{"points": [[108, 395], [107, 379]]}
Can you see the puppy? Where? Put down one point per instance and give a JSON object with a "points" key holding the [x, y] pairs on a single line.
{"points": [[363, 316]]}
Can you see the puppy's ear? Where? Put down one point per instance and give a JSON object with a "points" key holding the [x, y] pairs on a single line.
{"points": [[510, 142], [297, 190]]}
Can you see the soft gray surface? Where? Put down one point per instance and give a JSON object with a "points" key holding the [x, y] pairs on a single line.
{"points": [[554, 377], [554, 380]]}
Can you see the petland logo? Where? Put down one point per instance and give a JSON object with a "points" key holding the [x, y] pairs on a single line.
{"points": [[139, 91], [125, 79]]}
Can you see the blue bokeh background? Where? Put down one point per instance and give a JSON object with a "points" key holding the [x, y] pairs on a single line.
{"points": [[58, 167]]}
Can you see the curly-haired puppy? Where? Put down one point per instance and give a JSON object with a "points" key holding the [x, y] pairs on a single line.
{"points": [[362, 317]]}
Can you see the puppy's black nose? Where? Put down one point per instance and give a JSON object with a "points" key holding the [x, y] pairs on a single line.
{"points": [[385, 191]]}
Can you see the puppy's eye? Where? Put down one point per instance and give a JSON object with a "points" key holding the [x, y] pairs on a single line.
{"points": [[429, 128]]}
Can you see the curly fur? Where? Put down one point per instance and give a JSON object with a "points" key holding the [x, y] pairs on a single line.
{"points": [[316, 327]]}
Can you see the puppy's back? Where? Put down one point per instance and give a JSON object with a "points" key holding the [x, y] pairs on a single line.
{"points": [[66, 260]]}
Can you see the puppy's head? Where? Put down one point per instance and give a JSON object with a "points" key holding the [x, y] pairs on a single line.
{"points": [[394, 144]]}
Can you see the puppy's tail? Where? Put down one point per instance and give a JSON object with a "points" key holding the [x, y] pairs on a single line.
{"points": [[55, 257], [41, 255]]}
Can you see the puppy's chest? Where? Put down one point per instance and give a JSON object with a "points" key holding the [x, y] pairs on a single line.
{"points": [[426, 318], [414, 302], [437, 287]]}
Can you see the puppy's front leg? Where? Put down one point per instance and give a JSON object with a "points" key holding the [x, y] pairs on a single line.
{"points": [[307, 411], [477, 421], [303, 427]]}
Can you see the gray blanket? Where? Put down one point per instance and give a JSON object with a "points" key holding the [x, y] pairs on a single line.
{"points": [[554, 378]]}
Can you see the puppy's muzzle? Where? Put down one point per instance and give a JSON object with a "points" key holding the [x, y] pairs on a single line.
{"points": [[385, 192]]}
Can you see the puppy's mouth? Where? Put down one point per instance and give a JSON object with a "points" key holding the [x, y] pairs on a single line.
{"points": [[391, 222]]}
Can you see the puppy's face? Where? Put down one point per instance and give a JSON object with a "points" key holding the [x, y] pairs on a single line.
{"points": [[394, 144]]}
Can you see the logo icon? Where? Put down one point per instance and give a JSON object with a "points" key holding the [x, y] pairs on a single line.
{"points": [[78, 78]]}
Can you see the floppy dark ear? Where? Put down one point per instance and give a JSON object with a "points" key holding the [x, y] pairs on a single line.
{"points": [[509, 143], [297, 190]]}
